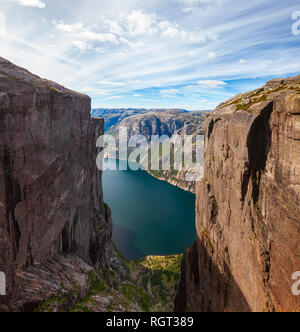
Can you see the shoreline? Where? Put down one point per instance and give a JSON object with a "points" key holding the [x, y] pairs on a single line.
{"points": [[171, 182]]}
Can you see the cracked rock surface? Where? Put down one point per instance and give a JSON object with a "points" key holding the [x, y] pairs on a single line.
{"points": [[248, 206], [51, 202]]}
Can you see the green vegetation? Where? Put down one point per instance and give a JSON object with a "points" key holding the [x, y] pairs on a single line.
{"points": [[235, 102], [253, 101], [51, 303], [259, 96], [205, 234], [15, 78], [150, 287], [99, 287], [53, 90], [122, 258], [91, 277]]}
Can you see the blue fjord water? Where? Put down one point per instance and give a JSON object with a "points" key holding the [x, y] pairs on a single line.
{"points": [[150, 217]]}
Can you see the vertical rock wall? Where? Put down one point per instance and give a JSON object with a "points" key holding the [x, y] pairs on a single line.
{"points": [[248, 206], [51, 198]]}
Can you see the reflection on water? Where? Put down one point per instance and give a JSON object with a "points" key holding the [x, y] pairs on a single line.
{"points": [[125, 242], [150, 217]]}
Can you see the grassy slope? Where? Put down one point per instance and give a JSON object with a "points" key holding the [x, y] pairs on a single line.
{"points": [[150, 287]]}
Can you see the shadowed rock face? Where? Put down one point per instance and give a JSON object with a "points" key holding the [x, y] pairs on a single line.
{"points": [[51, 200], [248, 206]]}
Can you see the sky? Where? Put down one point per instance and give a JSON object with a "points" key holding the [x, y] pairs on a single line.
{"points": [[190, 54]]}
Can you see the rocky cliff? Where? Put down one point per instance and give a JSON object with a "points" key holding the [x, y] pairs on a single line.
{"points": [[54, 228], [159, 122], [165, 123], [114, 116], [248, 206]]}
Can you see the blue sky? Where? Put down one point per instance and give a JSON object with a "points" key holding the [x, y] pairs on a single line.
{"points": [[190, 54]]}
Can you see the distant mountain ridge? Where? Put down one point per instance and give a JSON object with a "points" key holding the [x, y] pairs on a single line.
{"points": [[160, 123], [115, 116], [167, 122]]}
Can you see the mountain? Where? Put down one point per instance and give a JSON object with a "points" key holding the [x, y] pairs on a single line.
{"points": [[114, 116], [248, 206], [168, 123], [56, 252], [55, 228], [55, 243]]}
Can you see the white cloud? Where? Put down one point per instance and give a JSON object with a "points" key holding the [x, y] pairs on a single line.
{"points": [[188, 9], [84, 34], [95, 45], [82, 45], [31, 3], [113, 97], [211, 84], [141, 23], [100, 50], [206, 84], [199, 2], [129, 30], [171, 30], [169, 92], [114, 27], [192, 53], [132, 45], [109, 83], [242, 61], [194, 5], [2, 24], [95, 91]]}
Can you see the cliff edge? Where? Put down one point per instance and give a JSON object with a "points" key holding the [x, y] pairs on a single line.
{"points": [[248, 206], [54, 227]]}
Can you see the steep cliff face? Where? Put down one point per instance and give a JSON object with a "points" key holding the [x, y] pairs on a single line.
{"points": [[54, 228], [114, 116], [166, 123], [159, 122], [248, 206]]}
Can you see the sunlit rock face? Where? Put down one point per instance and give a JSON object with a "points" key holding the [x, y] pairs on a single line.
{"points": [[248, 206], [51, 201], [167, 124]]}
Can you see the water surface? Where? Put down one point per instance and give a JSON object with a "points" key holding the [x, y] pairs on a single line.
{"points": [[150, 217]]}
